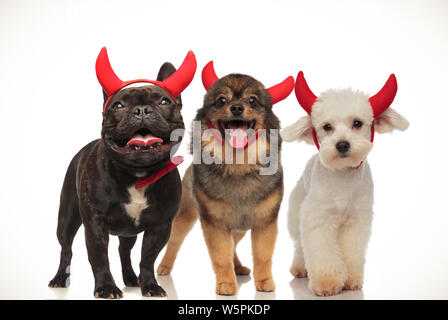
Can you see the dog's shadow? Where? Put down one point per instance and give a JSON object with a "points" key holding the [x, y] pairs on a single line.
{"points": [[300, 290], [59, 293], [167, 283]]}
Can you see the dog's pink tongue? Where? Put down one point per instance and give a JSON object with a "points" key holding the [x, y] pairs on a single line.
{"points": [[143, 141], [238, 138]]}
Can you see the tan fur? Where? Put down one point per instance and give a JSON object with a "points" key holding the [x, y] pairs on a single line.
{"points": [[263, 211], [231, 198], [239, 268], [263, 240], [223, 213], [188, 214], [221, 242], [263, 243], [182, 224], [221, 210], [221, 248]]}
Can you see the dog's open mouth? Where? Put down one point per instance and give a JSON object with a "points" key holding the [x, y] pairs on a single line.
{"points": [[237, 132], [143, 140]]}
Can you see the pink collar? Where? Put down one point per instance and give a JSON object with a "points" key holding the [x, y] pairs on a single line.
{"points": [[171, 165], [218, 137]]}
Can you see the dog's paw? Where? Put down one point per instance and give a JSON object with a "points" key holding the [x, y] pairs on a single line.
{"points": [[353, 283], [153, 290], [326, 286], [108, 292], [164, 270], [298, 272], [131, 280], [226, 288], [60, 281], [242, 270], [266, 285]]}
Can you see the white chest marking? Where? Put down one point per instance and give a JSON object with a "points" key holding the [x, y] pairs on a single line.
{"points": [[137, 203]]}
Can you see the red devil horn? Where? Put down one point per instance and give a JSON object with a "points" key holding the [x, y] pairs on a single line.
{"points": [[106, 76], [209, 76], [282, 90], [304, 94], [180, 79], [383, 99]]}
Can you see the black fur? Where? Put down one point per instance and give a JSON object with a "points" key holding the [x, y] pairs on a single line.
{"points": [[95, 191]]}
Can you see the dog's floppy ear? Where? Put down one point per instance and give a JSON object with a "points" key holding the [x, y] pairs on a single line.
{"points": [[301, 130], [390, 120], [166, 70]]}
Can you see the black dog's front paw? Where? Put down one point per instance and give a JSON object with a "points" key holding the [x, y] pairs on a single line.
{"points": [[108, 291], [60, 281], [153, 290]]}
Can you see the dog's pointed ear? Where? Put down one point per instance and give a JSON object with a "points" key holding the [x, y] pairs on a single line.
{"points": [[166, 70], [390, 120], [105, 96], [301, 130]]}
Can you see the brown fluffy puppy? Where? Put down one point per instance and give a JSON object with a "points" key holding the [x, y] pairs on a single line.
{"points": [[232, 198]]}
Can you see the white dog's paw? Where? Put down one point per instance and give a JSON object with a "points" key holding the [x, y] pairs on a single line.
{"points": [[354, 282], [326, 285], [298, 272]]}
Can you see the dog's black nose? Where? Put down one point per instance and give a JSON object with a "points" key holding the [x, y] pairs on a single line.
{"points": [[237, 109], [141, 111], [343, 146]]}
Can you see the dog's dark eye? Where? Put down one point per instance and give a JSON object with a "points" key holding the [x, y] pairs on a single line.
{"points": [[165, 102], [357, 124], [221, 101], [327, 127], [252, 101], [118, 105]]}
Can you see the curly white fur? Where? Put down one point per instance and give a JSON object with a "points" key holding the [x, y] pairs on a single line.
{"points": [[330, 209]]}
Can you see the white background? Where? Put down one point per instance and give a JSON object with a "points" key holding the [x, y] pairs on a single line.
{"points": [[50, 106]]}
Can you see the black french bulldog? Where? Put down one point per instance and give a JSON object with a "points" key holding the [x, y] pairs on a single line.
{"points": [[99, 188]]}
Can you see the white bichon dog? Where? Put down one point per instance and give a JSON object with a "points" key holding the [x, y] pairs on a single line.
{"points": [[330, 209]]}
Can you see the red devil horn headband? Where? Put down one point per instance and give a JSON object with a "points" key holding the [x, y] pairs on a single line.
{"points": [[209, 76], [106, 75], [384, 98], [379, 102], [278, 92], [304, 94], [174, 85]]}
